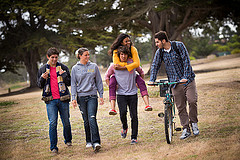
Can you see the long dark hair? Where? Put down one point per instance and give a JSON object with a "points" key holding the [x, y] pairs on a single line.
{"points": [[118, 42]]}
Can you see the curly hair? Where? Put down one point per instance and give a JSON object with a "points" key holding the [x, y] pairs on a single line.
{"points": [[118, 42], [125, 50]]}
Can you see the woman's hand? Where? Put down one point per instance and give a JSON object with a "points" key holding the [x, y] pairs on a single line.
{"points": [[107, 81], [74, 103], [101, 101]]}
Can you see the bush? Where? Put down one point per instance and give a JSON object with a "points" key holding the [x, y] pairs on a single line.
{"points": [[235, 51]]}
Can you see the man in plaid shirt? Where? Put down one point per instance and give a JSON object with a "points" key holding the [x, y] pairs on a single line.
{"points": [[178, 68]]}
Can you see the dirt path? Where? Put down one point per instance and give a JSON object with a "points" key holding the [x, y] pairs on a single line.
{"points": [[24, 126]]}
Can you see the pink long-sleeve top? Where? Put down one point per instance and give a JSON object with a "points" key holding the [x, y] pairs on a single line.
{"points": [[110, 71]]}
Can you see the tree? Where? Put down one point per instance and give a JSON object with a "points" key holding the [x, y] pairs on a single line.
{"points": [[31, 26], [28, 28], [144, 49], [233, 45], [173, 16], [24, 38]]}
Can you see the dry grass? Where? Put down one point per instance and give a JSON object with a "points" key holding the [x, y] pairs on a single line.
{"points": [[24, 124]]}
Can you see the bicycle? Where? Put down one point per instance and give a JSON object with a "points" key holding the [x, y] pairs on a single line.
{"points": [[169, 107]]}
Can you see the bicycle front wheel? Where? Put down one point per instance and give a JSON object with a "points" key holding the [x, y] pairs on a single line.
{"points": [[168, 122]]}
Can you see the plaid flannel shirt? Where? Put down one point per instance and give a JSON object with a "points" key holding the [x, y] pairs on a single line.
{"points": [[177, 65]]}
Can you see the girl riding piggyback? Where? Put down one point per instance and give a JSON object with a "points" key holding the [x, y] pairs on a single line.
{"points": [[124, 40]]}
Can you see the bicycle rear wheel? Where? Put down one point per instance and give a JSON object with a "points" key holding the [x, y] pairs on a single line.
{"points": [[168, 122]]}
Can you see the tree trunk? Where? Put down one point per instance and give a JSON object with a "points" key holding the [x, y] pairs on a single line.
{"points": [[30, 60], [158, 21], [166, 21]]}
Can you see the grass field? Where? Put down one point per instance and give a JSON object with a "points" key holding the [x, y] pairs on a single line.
{"points": [[24, 124]]}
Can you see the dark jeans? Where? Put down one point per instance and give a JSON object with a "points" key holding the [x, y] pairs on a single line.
{"points": [[88, 106], [131, 101], [53, 107]]}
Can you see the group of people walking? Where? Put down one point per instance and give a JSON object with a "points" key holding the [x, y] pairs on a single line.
{"points": [[87, 87]]}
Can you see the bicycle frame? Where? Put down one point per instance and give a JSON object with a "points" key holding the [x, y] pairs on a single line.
{"points": [[169, 110], [169, 97]]}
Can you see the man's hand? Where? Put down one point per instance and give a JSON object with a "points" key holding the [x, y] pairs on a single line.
{"points": [[118, 67], [101, 101], [184, 81], [149, 82], [45, 75], [61, 72], [74, 103]]}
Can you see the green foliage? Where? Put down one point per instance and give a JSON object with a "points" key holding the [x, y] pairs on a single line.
{"points": [[103, 58], [144, 50], [235, 51], [221, 48], [24, 38], [7, 103], [10, 78], [72, 61], [16, 86], [192, 58], [232, 46], [202, 47], [28, 28], [198, 46]]}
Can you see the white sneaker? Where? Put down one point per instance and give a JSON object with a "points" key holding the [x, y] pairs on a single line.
{"points": [[185, 134], [88, 145], [195, 129], [69, 144]]}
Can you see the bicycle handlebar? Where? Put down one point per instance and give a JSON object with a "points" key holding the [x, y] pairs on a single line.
{"points": [[165, 83]]}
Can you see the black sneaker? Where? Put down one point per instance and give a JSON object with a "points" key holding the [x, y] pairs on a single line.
{"points": [[185, 134], [55, 151], [96, 147], [133, 141], [124, 133]]}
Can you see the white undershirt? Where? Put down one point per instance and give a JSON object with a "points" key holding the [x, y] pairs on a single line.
{"points": [[167, 50]]}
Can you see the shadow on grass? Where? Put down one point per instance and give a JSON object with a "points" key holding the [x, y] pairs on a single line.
{"points": [[21, 91], [213, 70]]}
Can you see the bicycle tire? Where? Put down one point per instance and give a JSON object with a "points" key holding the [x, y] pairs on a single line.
{"points": [[168, 123]]}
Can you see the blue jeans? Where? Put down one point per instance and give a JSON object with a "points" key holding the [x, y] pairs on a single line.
{"points": [[52, 111], [88, 106]]}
